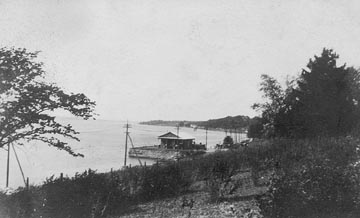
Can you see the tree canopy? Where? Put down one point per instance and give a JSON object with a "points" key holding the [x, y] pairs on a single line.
{"points": [[275, 94], [323, 100], [27, 100], [228, 140]]}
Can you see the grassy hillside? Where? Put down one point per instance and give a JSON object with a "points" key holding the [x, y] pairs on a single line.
{"points": [[305, 178]]}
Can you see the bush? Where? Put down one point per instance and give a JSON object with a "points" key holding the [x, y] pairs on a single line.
{"points": [[163, 181], [86, 195], [20, 204], [326, 181]]}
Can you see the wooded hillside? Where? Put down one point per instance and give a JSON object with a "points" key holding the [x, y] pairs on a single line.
{"points": [[229, 122]]}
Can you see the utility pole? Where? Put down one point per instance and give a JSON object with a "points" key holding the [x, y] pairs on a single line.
{"points": [[177, 130], [8, 166], [127, 126], [206, 133], [235, 134]]}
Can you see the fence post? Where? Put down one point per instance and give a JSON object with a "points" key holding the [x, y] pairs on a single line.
{"points": [[27, 183], [61, 177]]}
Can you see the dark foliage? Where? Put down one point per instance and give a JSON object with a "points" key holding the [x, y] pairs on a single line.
{"points": [[228, 140], [320, 180], [165, 181], [85, 195], [323, 101], [255, 129], [236, 122]]}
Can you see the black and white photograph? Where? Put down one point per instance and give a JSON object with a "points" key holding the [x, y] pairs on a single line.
{"points": [[179, 109]]}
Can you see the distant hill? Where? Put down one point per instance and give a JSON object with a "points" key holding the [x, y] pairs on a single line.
{"points": [[165, 123], [236, 122]]}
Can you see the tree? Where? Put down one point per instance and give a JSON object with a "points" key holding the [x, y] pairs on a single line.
{"points": [[27, 102], [228, 140], [275, 96], [326, 98], [324, 101], [255, 128]]}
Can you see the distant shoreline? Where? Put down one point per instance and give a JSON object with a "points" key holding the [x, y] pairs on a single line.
{"points": [[195, 128], [235, 124]]}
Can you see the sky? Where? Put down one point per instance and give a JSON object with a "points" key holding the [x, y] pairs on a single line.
{"points": [[177, 60]]}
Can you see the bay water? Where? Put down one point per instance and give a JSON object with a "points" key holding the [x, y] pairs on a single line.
{"points": [[102, 142]]}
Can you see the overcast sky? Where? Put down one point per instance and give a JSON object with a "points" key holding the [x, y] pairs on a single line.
{"points": [[177, 60]]}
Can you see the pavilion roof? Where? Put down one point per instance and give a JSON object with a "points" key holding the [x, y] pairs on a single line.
{"points": [[181, 136]]}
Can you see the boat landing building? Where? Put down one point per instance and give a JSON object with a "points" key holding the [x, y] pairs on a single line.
{"points": [[172, 141]]}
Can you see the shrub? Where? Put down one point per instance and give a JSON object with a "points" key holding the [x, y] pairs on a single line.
{"points": [[163, 181], [20, 204], [326, 181], [86, 195]]}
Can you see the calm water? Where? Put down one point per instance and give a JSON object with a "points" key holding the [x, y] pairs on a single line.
{"points": [[102, 143]]}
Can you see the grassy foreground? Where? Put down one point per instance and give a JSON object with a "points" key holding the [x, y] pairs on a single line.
{"points": [[308, 178]]}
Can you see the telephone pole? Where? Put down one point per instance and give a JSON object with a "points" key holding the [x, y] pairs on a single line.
{"points": [[177, 130], [8, 166], [127, 126], [206, 134], [235, 136]]}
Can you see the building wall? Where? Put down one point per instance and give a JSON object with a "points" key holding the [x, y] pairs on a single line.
{"points": [[176, 143]]}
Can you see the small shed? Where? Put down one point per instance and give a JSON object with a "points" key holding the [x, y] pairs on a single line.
{"points": [[172, 141]]}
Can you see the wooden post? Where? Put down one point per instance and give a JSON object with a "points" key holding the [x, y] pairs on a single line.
{"points": [[61, 177], [127, 126], [126, 140], [27, 183]]}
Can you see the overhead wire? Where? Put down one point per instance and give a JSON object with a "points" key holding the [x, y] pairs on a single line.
{"points": [[18, 161], [132, 144]]}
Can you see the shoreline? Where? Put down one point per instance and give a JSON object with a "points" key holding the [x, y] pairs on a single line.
{"points": [[194, 128]]}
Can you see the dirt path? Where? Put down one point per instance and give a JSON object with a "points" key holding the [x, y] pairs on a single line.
{"points": [[172, 207]]}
